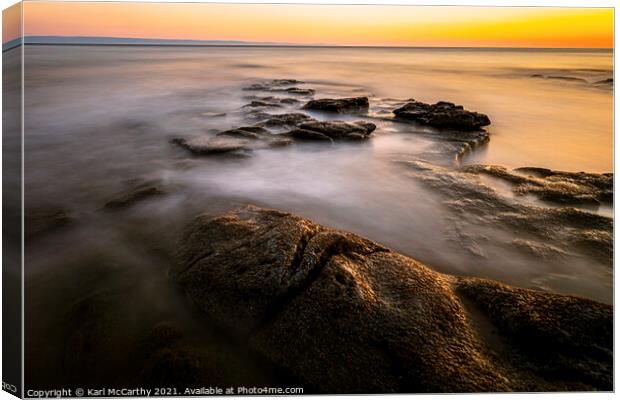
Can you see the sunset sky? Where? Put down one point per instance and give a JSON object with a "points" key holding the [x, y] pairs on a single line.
{"points": [[322, 24]]}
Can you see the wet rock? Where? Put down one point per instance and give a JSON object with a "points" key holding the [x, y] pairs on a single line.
{"points": [[206, 146], [275, 83], [344, 314], [442, 115], [450, 147], [563, 188], [290, 119], [289, 101], [470, 199], [246, 132], [300, 91], [257, 103], [353, 104], [273, 99], [39, 222], [257, 115], [333, 130], [305, 134], [134, 196], [259, 137], [213, 114], [541, 250]]}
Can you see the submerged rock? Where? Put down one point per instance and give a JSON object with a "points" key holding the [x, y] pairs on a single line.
{"points": [[560, 78], [280, 85], [213, 114], [344, 314], [38, 222], [259, 136], [442, 115], [290, 119], [135, 195], [206, 146], [289, 101], [275, 83], [333, 130], [353, 104], [564, 188], [300, 91], [306, 134], [237, 142], [264, 104], [246, 132], [449, 147]]}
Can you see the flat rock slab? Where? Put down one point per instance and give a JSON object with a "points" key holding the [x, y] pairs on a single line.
{"points": [[559, 187], [280, 85], [38, 222], [442, 115], [206, 146], [290, 119], [237, 142], [344, 314], [133, 196], [333, 130], [352, 104]]}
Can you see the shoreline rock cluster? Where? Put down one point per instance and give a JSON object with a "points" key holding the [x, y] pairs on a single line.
{"points": [[462, 129], [442, 115], [347, 315]]}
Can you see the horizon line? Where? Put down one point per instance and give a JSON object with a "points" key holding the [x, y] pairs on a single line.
{"points": [[245, 43]]}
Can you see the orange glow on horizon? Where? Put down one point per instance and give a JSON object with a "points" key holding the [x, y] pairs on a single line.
{"points": [[11, 23], [328, 24]]}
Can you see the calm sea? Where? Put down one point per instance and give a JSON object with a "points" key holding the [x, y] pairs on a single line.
{"points": [[98, 117]]}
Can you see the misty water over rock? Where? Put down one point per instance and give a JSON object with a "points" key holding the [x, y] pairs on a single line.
{"points": [[347, 315], [324, 148]]}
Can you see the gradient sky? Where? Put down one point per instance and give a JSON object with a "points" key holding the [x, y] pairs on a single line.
{"points": [[11, 23], [323, 24]]}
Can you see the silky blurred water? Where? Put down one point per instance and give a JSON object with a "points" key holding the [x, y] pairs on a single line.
{"points": [[101, 117]]}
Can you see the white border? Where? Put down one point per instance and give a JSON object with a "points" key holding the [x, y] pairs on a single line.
{"points": [[490, 3]]}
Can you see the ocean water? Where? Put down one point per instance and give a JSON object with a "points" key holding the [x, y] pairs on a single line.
{"points": [[100, 119]]}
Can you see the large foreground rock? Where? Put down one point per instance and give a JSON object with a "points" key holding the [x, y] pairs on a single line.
{"points": [[344, 314], [442, 115]]}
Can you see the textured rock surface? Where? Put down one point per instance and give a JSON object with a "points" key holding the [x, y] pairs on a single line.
{"points": [[214, 146], [566, 188], [38, 222], [352, 104], [333, 130], [442, 115], [280, 85], [133, 196], [290, 119], [345, 314], [468, 198], [237, 142]]}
